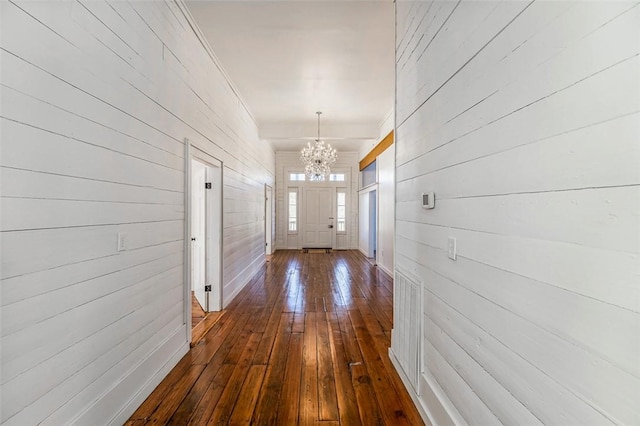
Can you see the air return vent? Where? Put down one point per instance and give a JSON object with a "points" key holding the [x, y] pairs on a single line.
{"points": [[407, 320]]}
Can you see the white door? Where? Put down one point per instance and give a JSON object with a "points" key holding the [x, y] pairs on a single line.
{"points": [[198, 215], [268, 221], [318, 218], [363, 224]]}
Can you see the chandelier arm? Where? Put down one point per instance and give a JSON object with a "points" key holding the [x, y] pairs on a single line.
{"points": [[318, 158]]}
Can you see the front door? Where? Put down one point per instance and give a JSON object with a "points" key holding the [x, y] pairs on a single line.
{"points": [[318, 218]]}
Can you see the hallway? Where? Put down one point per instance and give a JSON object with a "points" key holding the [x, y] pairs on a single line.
{"points": [[305, 342]]}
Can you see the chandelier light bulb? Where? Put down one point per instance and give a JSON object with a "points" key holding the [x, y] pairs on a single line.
{"points": [[318, 158]]}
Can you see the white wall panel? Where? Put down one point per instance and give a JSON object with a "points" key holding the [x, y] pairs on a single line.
{"points": [[522, 118], [385, 166], [97, 100], [364, 215]]}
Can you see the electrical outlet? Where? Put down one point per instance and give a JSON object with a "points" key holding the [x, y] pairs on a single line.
{"points": [[122, 241], [451, 248]]}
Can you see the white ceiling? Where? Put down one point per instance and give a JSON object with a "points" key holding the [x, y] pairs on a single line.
{"points": [[289, 59]]}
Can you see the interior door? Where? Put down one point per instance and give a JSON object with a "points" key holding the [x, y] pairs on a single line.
{"points": [[318, 218], [268, 220], [198, 215]]}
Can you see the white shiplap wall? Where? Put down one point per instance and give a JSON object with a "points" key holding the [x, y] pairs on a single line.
{"points": [[97, 98], [288, 161], [523, 118], [385, 169]]}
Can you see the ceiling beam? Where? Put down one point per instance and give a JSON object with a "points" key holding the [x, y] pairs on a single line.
{"points": [[377, 150]]}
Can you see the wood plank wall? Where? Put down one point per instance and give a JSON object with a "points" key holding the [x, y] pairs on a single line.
{"points": [[97, 98], [522, 117]]}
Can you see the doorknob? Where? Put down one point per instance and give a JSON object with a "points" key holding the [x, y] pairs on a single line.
{"points": [[193, 238], [330, 226]]}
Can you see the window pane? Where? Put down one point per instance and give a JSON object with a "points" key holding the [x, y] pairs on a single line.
{"points": [[293, 211], [296, 176], [341, 211], [336, 177]]}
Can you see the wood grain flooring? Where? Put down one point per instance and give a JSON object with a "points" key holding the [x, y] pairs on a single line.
{"points": [[305, 342], [197, 313]]}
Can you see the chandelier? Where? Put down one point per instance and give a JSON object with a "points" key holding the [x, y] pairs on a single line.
{"points": [[318, 158]]}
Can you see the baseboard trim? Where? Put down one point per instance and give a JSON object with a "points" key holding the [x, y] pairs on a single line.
{"points": [[241, 280], [409, 388], [150, 372], [431, 408], [385, 270]]}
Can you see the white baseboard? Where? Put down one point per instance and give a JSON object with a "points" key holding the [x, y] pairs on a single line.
{"points": [[232, 289], [432, 409], [140, 382], [385, 270]]}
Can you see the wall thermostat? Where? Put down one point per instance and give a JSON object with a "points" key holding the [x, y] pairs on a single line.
{"points": [[428, 200]]}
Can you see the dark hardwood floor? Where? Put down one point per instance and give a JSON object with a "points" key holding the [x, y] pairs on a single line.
{"points": [[305, 342]]}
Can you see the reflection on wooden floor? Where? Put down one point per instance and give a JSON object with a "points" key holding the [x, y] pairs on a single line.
{"points": [[201, 321], [197, 313], [305, 342]]}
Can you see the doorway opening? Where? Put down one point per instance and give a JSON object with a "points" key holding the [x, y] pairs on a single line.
{"points": [[373, 225], [368, 223], [204, 232]]}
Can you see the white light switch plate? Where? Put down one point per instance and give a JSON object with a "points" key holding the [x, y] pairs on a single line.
{"points": [[451, 248]]}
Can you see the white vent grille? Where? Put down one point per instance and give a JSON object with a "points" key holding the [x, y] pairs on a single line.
{"points": [[407, 314]]}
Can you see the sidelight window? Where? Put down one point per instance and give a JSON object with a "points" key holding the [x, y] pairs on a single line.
{"points": [[341, 214], [293, 210]]}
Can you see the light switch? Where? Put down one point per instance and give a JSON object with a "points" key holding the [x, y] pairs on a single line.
{"points": [[451, 248]]}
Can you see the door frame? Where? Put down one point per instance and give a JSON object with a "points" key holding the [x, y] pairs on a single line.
{"points": [[294, 239], [196, 153]]}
